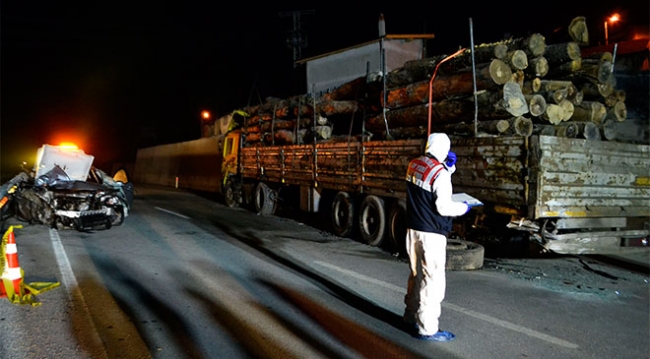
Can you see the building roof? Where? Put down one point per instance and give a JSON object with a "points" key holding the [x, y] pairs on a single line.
{"points": [[387, 37]]}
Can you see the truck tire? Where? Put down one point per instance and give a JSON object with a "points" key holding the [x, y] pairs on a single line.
{"points": [[397, 227], [232, 193], [372, 220], [343, 214], [464, 255], [265, 199]]}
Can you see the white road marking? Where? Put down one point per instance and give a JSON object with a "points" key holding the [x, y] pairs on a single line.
{"points": [[72, 286], [477, 315], [170, 212]]}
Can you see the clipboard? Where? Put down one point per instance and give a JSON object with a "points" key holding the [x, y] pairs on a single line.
{"points": [[464, 197]]}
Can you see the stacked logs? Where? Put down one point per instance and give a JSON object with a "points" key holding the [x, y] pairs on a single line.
{"points": [[523, 87]]}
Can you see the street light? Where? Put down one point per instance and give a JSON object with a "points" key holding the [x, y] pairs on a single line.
{"points": [[205, 116], [614, 18]]}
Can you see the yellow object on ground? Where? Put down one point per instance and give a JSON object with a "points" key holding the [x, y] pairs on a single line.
{"points": [[12, 285]]}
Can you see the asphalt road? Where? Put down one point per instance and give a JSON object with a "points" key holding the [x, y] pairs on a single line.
{"points": [[187, 277]]}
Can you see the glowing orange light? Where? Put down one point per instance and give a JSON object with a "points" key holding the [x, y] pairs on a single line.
{"points": [[205, 115], [68, 145], [614, 18]]}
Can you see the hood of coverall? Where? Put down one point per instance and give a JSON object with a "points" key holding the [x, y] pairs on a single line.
{"points": [[438, 145]]}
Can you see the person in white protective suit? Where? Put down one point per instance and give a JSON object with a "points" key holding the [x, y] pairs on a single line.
{"points": [[429, 210]]}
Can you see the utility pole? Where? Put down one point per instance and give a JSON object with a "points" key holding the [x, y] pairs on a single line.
{"points": [[297, 40]]}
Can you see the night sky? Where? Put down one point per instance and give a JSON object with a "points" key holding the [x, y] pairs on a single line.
{"points": [[115, 76]]}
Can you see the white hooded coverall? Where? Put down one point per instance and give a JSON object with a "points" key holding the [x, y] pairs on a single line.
{"points": [[429, 208]]}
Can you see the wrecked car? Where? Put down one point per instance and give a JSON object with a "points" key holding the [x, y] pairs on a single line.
{"points": [[65, 191]]}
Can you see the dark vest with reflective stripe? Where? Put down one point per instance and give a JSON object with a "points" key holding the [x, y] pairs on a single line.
{"points": [[421, 211]]}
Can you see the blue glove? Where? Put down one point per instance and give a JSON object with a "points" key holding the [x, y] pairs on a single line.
{"points": [[451, 159]]}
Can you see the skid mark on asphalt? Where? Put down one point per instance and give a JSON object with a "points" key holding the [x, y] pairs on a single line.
{"points": [[471, 313]]}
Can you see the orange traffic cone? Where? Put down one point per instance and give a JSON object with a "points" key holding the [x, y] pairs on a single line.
{"points": [[12, 286], [12, 270]]}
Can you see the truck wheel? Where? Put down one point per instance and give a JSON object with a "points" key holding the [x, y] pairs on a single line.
{"points": [[464, 255], [372, 220], [397, 227], [343, 213], [265, 199], [232, 193]]}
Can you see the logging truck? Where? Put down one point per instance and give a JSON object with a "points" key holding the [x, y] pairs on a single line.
{"points": [[532, 153], [572, 196]]}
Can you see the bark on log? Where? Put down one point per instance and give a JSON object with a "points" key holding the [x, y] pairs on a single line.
{"points": [[562, 53], [352, 90], [601, 72], [407, 132], [589, 111], [329, 108], [251, 129], [505, 103], [536, 104], [537, 67], [533, 45], [419, 70], [413, 71], [253, 137], [565, 69], [492, 127], [413, 116], [599, 57], [543, 129], [303, 110], [253, 121], [488, 77], [552, 85], [483, 53], [283, 137], [592, 90], [285, 124]]}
